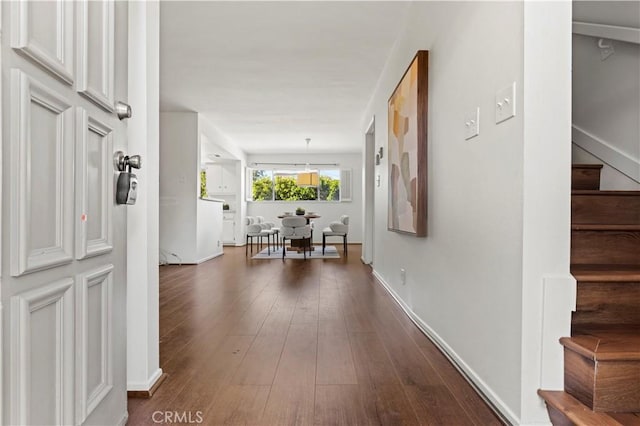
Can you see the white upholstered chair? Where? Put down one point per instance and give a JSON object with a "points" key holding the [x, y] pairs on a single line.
{"points": [[269, 227], [256, 230], [276, 232], [337, 229], [296, 228]]}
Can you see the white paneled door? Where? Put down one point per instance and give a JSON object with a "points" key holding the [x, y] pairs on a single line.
{"points": [[64, 66]]}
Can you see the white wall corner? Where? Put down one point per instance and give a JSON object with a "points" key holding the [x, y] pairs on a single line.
{"points": [[559, 300], [546, 197], [125, 418], [142, 219], [147, 384], [1, 360]]}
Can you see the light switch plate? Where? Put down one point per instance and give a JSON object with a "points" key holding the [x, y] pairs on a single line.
{"points": [[506, 103], [472, 124]]}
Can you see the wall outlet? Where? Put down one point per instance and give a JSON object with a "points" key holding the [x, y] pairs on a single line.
{"points": [[403, 276]]}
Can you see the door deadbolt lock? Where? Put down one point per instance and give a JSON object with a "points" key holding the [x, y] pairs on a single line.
{"points": [[123, 110]]}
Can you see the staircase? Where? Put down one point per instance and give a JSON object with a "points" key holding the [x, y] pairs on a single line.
{"points": [[602, 356]]}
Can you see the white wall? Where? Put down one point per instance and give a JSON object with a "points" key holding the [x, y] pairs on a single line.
{"points": [[548, 289], [606, 94], [209, 230], [179, 184], [210, 134], [185, 222], [466, 281], [330, 211], [143, 358]]}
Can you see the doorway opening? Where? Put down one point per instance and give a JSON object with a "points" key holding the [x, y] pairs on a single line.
{"points": [[369, 192]]}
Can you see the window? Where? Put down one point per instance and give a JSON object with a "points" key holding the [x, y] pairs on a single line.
{"points": [[282, 185]]}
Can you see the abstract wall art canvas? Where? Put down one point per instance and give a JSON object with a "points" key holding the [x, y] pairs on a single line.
{"points": [[407, 151]]}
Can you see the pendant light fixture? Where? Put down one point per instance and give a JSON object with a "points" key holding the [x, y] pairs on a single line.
{"points": [[308, 177]]}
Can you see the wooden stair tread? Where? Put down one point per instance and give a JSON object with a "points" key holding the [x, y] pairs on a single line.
{"points": [[607, 344], [604, 227], [581, 415], [627, 419], [586, 166], [606, 273], [612, 193]]}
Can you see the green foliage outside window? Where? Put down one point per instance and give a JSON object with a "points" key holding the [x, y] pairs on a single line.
{"points": [[329, 188], [263, 189], [203, 184], [287, 189]]}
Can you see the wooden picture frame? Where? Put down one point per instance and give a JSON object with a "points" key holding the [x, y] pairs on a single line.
{"points": [[407, 150]]}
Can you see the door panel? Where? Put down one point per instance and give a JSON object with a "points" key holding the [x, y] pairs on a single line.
{"points": [[43, 31], [41, 166], [95, 51], [64, 248], [94, 358], [41, 380], [94, 185]]}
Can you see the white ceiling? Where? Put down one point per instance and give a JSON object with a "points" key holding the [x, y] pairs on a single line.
{"points": [[270, 74]]}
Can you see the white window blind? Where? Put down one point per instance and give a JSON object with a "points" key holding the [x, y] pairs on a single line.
{"points": [[248, 184], [346, 187]]}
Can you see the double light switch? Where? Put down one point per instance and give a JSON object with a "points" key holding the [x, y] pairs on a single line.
{"points": [[506, 103]]}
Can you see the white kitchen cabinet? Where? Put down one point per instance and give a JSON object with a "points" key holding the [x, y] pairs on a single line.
{"points": [[229, 227], [221, 178], [229, 231]]}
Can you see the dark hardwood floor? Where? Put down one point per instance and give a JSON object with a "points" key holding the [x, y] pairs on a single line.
{"points": [[262, 342]]}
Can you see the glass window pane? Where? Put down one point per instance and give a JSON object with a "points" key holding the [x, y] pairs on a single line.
{"points": [[329, 186], [287, 189], [262, 187]]}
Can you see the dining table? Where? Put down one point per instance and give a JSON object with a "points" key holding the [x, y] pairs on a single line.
{"points": [[306, 216]]}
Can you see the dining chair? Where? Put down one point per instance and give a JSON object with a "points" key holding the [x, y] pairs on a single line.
{"points": [[337, 229], [255, 230], [296, 228], [269, 227]]}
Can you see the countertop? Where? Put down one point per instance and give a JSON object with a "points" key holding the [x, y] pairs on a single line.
{"points": [[215, 200]]}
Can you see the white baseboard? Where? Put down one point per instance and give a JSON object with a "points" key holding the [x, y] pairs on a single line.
{"points": [[607, 153], [213, 256], [123, 420], [145, 386], [467, 372], [559, 300]]}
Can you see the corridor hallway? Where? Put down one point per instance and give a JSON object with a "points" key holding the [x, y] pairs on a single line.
{"points": [[262, 342]]}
